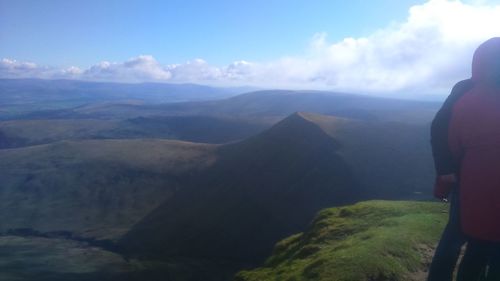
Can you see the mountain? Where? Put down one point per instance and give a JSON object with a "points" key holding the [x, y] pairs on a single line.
{"points": [[96, 188], [353, 106], [277, 104], [271, 185], [373, 240], [19, 96]]}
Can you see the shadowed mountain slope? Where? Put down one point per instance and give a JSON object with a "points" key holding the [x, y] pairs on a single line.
{"points": [[96, 188], [391, 159], [271, 185], [258, 191]]}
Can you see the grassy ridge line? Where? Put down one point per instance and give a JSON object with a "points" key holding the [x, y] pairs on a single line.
{"points": [[373, 240]]}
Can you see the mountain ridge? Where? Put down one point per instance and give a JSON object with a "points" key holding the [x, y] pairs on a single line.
{"points": [[235, 190], [277, 181]]}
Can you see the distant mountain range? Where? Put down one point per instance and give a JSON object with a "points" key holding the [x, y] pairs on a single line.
{"points": [[272, 106], [18, 96], [106, 116]]}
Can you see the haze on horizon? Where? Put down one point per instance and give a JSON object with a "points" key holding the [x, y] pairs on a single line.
{"points": [[377, 46]]}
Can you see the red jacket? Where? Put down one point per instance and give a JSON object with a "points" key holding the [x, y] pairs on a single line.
{"points": [[474, 139]]}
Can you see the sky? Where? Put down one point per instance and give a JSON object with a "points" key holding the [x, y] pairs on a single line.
{"points": [[380, 46]]}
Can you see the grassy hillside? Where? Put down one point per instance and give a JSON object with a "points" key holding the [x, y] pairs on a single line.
{"points": [[204, 129], [373, 240], [95, 188], [19, 133]]}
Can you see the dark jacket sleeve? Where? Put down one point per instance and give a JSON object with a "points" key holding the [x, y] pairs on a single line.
{"points": [[443, 159]]}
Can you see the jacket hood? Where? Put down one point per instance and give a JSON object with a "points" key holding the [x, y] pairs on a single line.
{"points": [[486, 62]]}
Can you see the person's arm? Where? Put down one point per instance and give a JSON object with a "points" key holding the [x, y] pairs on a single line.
{"points": [[454, 135], [444, 162], [443, 159]]}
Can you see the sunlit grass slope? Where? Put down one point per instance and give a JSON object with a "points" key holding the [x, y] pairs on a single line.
{"points": [[373, 240]]}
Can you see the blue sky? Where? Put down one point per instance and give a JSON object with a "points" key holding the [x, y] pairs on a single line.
{"points": [[80, 33], [388, 46]]}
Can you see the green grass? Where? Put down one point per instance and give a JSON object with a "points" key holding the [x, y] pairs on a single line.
{"points": [[373, 240]]}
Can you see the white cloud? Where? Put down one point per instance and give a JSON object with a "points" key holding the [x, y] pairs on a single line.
{"points": [[10, 68], [430, 50], [141, 68], [195, 70], [433, 47], [72, 71]]}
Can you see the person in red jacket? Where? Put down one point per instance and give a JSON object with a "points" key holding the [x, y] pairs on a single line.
{"points": [[474, 141], [446, 188]]}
